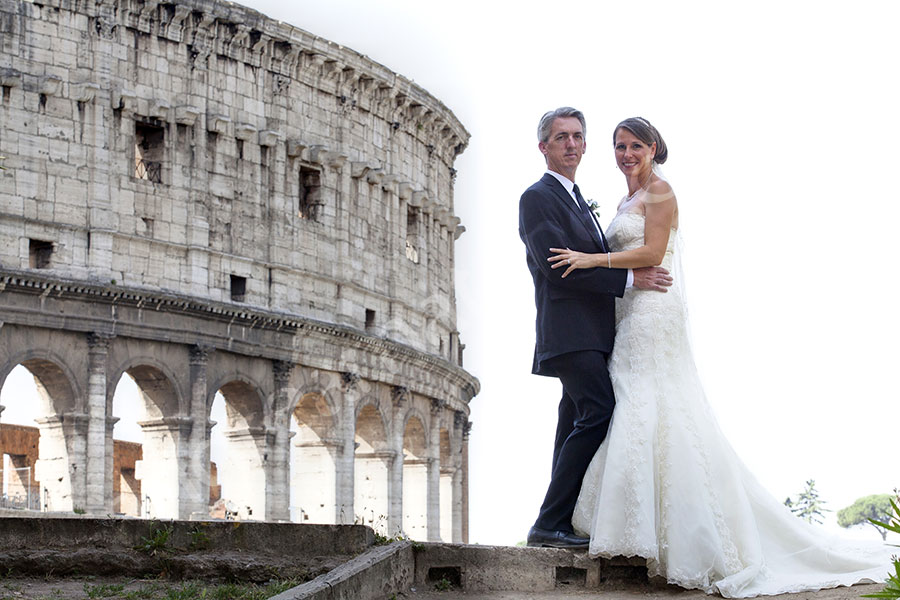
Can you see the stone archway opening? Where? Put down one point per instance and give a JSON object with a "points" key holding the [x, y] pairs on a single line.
{"points": [[239, 448], [41, 439], [313, 461], [146, 462], [448, 470], [128, 440], [415, 480], [370, 470]]}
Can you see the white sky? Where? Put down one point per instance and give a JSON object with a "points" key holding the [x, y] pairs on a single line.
{"points": [[782, 126]]}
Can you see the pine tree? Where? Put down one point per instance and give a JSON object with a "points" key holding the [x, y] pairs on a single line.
{"points": [[808, 506]]}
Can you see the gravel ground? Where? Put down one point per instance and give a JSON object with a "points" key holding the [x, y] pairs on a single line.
{"points": [[77, 588], [645, 593]]}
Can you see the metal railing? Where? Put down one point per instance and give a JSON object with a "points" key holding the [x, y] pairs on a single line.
{"points": [[18, 493], [148, 170]]}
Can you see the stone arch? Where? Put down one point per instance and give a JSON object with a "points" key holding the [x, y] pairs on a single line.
{"points": [[314, 455], [158, 385], [152, 489], [244, 397], [373, 408], [243, 472], [62, 426], [415, 477], [58, 387], [372, 465]]}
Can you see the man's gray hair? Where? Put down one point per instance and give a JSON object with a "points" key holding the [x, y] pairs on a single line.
{"points": [[563, 112]]}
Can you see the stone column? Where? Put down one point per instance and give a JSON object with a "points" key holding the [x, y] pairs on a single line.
{"points": [[278, 464], [464, 484], [400, 400], [109, 467], [165, 480], [98, 480], [103, 148], [195, 488], [460, 430], [347, 426], [61, 453], [434, 471]]}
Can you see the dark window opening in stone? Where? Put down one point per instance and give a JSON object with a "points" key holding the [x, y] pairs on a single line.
{"points": [[212, 139], [412, 234], [185, 135], [264, 157], [370, 319], [310, 194], [238, 288], [149, 150], [447, 577], [6, 90], [240, 149], [39, 253], [570, 577]]}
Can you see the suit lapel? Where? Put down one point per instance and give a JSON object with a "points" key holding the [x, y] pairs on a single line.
{"points": [[565, 198]]}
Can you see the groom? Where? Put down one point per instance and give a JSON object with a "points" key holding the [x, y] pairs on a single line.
{"points": [[575, 318]]}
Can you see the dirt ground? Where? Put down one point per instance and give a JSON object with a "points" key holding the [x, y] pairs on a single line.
{"points": [[647, 593], [78, 588]]}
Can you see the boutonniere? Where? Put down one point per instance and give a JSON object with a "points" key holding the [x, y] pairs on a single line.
{"points": [[595, 208]]}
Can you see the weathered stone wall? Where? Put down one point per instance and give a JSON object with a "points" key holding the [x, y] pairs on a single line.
{"points": [[247, 111], [21, 444], [212, 201]]}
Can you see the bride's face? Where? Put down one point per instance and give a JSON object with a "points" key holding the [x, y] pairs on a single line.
{"points": [[633, 156]]}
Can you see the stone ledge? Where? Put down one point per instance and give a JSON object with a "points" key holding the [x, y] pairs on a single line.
{"points": [[378, 573], [503, 568], [218, 550], [233, 320], [117, 535]]}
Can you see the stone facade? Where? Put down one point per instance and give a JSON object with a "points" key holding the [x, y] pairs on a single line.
{"points": [[213, 201]]}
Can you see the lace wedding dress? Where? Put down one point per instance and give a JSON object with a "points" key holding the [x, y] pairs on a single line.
{"points": [[666, 485]]}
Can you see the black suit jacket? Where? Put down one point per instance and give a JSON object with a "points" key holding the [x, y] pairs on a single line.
{"points": [[578, 312]]}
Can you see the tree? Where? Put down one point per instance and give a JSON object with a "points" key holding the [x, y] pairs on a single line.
{"points": [[807, 506], [864, 510], [891, 588]]}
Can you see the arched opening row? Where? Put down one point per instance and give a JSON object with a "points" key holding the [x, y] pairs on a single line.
{"points": [[404, 476]]}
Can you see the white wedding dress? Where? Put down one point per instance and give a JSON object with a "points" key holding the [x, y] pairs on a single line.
{"points": [[667, 486]]}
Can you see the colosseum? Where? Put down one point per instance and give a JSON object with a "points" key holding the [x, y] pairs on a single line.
{"points": [[214, 202]]}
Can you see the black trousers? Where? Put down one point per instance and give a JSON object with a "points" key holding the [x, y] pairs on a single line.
{"points": [[585, 411]]}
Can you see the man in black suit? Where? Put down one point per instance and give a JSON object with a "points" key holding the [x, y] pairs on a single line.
{"points": [[575, 318]]}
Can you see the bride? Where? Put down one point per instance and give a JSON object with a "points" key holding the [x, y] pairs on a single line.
{"points": [[666, 485]]}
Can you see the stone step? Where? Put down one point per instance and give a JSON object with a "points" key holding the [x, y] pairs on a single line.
{"points": [[433, 571], [239, 550]]}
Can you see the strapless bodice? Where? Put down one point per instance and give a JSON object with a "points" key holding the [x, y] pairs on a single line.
{"points": [[626, 232]]}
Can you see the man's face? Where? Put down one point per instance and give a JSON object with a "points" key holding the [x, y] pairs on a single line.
{"points": [[565, 146]]}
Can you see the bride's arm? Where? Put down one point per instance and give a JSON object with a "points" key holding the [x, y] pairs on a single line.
{"points": [[659, 216]]}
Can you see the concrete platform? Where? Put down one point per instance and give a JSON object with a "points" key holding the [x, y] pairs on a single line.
{"points": [[448, 572], [636, 593], [336, 562]]}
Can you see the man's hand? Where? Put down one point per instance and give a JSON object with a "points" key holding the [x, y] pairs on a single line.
{"points": [[652, 278]]}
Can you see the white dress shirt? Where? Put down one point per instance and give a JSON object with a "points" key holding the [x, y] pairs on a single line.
{"points": [[570, 187]]}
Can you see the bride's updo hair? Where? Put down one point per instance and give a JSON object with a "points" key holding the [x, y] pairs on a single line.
{"points": [[647, 133]]}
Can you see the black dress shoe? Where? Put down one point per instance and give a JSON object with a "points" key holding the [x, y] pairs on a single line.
{"points": [[556, 539]]}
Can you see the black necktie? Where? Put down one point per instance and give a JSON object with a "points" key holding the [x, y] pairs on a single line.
{"points": [[587, 214]]}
